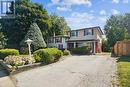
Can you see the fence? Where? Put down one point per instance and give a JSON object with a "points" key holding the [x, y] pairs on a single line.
{"points": [[122, 48]]}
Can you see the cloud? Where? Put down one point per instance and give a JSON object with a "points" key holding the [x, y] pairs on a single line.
{"points": [[118, 1], [102, 12], [125, 1], [92, 11], [55, 1], [81, 20], [115, 1], [68, 3], [63, 8], [77, 2], [115, 12]]}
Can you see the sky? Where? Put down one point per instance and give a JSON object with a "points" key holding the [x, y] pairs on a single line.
{"points": [[85, 13]]}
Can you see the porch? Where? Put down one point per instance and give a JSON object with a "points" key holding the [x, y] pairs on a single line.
{"points": [[94, 44]]}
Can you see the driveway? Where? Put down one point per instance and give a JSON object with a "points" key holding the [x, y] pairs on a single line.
{"points": [[5, 80], [74, 71]]}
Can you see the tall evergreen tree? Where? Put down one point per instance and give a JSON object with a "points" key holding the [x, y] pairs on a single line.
{"points": [[34, 33]]}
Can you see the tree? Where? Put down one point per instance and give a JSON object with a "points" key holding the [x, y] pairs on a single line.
{"points": [[105, 46], [2, 39], [126, 21], [35, 35], [115, 30], [59, 25], [26, 13]]}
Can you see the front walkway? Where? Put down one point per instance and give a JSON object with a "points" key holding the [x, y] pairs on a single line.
{"points": [[74, 71]]}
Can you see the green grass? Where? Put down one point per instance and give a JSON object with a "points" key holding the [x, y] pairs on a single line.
{"points": [[124, 71]]}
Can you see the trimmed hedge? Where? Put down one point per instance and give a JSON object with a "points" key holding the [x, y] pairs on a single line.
{"points": [[55, 52], [47, 55], [82, 50], [42, 56], [6, 52], [66, 52]]}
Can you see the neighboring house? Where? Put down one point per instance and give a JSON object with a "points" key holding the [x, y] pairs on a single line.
{"points": [[91, 37], [59, 41]]}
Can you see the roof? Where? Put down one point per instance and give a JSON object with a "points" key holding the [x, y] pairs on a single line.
{"points": [[82, 40], [97, 27], [61, 36]]}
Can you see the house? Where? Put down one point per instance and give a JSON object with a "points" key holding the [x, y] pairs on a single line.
{"points": [[59, 41], [91, 37]]}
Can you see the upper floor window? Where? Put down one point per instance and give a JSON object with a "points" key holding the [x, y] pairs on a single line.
{"points": [[88, 32], [58, 39], [74, 33]]}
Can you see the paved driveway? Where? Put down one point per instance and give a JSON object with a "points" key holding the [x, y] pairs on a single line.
{"points": [[74, 71], [5, 80]]}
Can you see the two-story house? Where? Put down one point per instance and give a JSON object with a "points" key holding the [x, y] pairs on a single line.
{"points": [[77, 38]]}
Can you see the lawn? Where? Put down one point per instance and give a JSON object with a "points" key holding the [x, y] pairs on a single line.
{"points": [[124, 71]]}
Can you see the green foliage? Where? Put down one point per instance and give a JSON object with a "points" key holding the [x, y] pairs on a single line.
{"points": [[105, 46], [19, 60], [66, 52], [26, 13], [6, 52], [81, 50], [56, 53], [116, 30], [124, 71], [36, 36], [2, 40], [59, 25], [47, 55], [42, 56]]}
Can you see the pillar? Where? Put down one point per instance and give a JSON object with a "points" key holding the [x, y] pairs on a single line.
{"points": [[74, 44], [94, 47]]}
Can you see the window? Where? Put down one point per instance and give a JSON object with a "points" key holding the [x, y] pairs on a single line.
{"points": [[88, 32], [60, 46], [74, 33], [7, 7], [51, 40], [58, 39]]}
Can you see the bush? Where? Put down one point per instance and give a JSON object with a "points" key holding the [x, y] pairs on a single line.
{"points": [[55, 52], [42, 56], [18, 60], [27, 59], [6, 52], [48, 55], [66, 52], [81, 50]]}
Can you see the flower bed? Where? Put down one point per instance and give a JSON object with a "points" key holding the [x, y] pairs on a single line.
{"points": [[18, 63]]}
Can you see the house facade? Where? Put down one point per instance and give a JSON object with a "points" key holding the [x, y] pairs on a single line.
{"points": [[91, 37], [58, 41]]}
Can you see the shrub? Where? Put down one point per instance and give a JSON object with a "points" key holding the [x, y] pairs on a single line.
{"points": [[58, 55], [18, 60], [81, 50], [42, 56], [66, 52], [27, 59], [55, 52], [6, 52]]}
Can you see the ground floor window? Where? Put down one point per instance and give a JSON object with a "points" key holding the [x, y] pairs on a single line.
{"points": [[60, 46]]}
